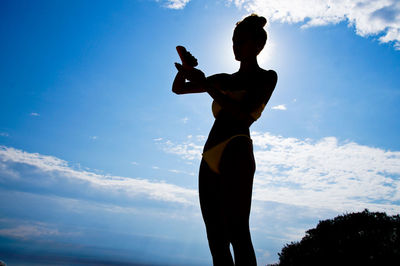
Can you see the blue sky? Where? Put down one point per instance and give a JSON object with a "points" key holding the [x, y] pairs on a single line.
{"points": [[99, 159]]}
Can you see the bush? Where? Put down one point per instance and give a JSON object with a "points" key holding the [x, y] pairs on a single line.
{"points": [[364, 238]]}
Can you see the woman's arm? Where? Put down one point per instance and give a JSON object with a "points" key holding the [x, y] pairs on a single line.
{"points": [[212, 85], [181, 86]]}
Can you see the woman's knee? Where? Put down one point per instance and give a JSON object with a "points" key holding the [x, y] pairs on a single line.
{"points": [[239, 231]]}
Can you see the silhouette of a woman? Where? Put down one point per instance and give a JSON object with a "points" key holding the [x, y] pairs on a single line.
{"points": [[228, 166]]}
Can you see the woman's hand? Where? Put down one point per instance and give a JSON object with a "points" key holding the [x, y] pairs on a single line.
{"points": [[189, 62], [192, 74], [186, 71]]}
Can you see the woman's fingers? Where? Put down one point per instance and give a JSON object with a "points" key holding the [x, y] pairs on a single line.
{"points": [[190, 73], [194, 75], [178, 66]]}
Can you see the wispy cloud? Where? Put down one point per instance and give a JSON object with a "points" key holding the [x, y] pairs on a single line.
{"points": [[45, 170], [279, 107], [34, 114], [181, 172], [191, 149], [379, 18], [4, 134], [185, 120], [321, 174], [27, 231], [93, 137], [176, 4]]}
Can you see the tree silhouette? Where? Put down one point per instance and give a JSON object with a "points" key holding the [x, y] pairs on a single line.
{"points": [[364, 238]]}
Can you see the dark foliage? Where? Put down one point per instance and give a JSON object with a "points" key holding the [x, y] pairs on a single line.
{"points": [[364, 238]]}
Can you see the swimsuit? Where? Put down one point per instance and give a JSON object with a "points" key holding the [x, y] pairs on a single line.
{"points": [[214, 154]]}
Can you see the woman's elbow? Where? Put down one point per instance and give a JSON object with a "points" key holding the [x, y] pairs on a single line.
{"points": [[176, 90]]}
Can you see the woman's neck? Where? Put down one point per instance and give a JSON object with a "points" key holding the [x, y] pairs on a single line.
{"points": [[249, 65]]}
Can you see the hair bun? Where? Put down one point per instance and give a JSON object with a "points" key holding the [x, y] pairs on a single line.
{"points": [[261, 21], [253, 27], [253, 20], [258, 20]]}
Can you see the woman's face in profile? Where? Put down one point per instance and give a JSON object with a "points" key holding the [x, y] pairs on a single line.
{"points": [[244, 47]]}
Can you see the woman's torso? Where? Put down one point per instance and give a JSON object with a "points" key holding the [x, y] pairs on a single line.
{"points": [[223, 128], [227, 125]]}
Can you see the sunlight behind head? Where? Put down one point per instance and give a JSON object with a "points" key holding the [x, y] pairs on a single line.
{"points": [[267, 54], [223, 58]]}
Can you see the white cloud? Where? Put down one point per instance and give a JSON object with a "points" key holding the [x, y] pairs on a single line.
{"points": [[263, 253], [279, 107], [201, 138], [181, 172], [187, 150], [34, 114], [175, 171], [369, 17], [26, 231], [320, 174], [57, 170], [326, 174], [185, 120], [176, 4], [4, 134], [93, 137]]}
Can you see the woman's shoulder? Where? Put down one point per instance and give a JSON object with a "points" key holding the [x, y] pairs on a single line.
{"points": [[219, 77], [269, 77], [271, 74]]}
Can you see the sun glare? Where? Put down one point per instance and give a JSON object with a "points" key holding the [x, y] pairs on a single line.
{"points": [[266, 55], [224, 53], [226, 59]]}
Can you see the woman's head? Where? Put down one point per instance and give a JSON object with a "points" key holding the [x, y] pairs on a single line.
{"points": [[249, 37]]}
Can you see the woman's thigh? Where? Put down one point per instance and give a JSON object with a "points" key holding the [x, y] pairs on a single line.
{"points": [[237, 173], [210, 197]]}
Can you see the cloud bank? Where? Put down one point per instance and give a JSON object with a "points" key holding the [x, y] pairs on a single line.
{"points": [[326, 174], [36, 171], [322, 174], [26, 231], [380, 18], [369, 17]]}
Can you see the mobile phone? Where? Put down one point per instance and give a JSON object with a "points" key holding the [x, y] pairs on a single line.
{"points": [[187, 58]]}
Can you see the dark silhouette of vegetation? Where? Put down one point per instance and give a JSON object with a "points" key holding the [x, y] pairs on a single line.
{"points": [[364, 238]]}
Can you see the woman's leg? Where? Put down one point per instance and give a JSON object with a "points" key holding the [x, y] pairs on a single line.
{"points": [[211, 202], [237, 168]]}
